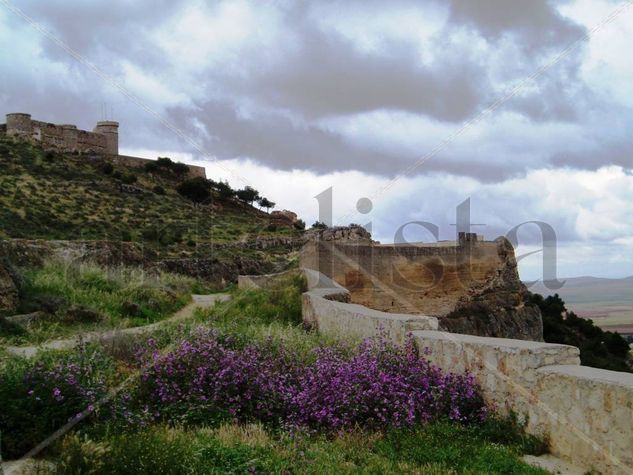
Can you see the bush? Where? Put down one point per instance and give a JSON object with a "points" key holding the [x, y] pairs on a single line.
{"points": [[129, 179], [107, 168], [159, 190], [40, 396], [208, 377], [196, 189]]}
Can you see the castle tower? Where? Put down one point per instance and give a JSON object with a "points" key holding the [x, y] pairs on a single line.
{"points": [[110, 129], [70, 136], [19, 125]]}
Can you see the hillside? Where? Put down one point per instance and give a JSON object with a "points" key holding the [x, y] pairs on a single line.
{"points": [[53, 196]]}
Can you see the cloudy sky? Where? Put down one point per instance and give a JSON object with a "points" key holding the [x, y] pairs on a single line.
{"points": [[525, 108]]}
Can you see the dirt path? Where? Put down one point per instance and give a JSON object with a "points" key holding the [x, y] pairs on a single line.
{"points": [[199, 301]]}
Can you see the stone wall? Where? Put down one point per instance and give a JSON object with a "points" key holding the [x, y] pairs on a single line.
{"points": [[437, 279], [137, 162], [65, 137], [104, 139], [585, 413]]}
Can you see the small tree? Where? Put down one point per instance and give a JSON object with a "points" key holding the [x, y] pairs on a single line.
{"points": [[247, 195], [265, 203], [196, 189], [225, 192]]}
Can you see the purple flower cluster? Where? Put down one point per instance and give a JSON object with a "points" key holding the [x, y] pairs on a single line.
{"points": [[380, 385], [71, 385]]}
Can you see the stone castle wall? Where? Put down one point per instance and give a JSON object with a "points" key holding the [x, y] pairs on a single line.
{"points": [[427, 279], [103, 140], [65, 137]]}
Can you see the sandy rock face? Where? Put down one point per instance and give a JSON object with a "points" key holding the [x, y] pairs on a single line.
{"points": [[8, 292], [471, 285], [497, 308]]}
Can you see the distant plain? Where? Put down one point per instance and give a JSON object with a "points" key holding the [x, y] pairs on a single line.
{"points": [[608, 302]]}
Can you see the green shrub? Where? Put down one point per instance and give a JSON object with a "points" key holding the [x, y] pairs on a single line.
{"points": [[40, 395], [107, 168], [196, 189], [159, 190]]}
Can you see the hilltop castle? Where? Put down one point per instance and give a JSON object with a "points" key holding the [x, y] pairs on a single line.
{"points": [[102, 140]]}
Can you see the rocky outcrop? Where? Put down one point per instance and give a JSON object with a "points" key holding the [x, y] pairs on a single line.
{"points": [[497, 307], [351, 233], [25, 252], [471, 285], [283, 218], [216, 272], [8, 292]]}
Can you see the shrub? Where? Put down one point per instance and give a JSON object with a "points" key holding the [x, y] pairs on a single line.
{"points": [[40, 396], [319, 225], [159, 190], [107, 168], [129, 179], [196, 189], [210, 377]]}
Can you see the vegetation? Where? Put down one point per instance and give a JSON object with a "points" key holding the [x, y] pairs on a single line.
{"points": [[196, 189], [82, 296], [436, 448], [47, 195], [319, 225], [598, 348], [231, 415]]}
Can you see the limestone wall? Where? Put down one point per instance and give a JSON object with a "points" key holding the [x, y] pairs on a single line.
{"points": [[428, 278], [586, 413]]}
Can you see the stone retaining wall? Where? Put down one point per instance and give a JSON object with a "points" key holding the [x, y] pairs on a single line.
{"points": [[586, 413]]}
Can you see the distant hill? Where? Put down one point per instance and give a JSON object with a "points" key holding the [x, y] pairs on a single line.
{"points": [[608, 302]]}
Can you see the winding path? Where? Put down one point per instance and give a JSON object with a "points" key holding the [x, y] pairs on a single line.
{"points": [[199, 301]]}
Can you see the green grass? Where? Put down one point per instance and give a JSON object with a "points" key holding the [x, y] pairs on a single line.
{"points": [[438, 448], [83, 296], [267, 314], [274, 314]]}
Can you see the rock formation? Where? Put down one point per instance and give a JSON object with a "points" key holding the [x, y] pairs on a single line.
{"points": [[471, 285]]}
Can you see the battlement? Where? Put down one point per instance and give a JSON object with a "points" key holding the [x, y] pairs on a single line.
{"points": [[103, 139]]}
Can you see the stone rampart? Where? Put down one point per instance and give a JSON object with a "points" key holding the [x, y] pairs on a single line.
{"points": [[104, 139], [585, 413]]}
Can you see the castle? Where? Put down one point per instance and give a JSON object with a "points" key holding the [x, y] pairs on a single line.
{"points": [[103, 140]]}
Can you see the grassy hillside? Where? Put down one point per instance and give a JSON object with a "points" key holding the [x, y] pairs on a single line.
{"points": [[45, 195]]}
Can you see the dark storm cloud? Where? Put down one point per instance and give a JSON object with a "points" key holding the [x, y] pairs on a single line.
{"points": [[326, 75], [536, 24], [315, 76]]}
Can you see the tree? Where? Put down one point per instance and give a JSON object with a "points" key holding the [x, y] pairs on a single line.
{"points": [[247, 195], [225, 192], [265, 203], [319, 225], [196, 189]]}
